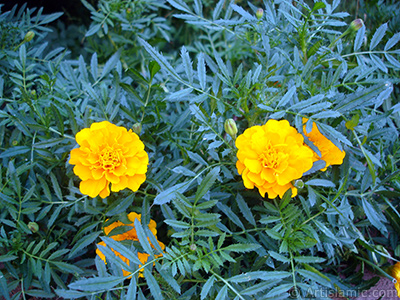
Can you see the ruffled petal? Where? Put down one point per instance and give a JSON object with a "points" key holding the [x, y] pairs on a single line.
{"points": [[92, 187]]}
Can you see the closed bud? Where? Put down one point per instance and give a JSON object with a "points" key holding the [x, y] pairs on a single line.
{"points": [[259, 13], [193, 247], [356, 24], [137, 128], [299, 184], [230, 128], [33, 226], [29, 36]]}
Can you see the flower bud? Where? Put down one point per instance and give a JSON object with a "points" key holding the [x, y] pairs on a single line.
{"points": [[14, 142], [230, 128], [259, 13], [299, 184], [356, 24], [137, 128], [193, 247], [33, 226], [29, 36]]}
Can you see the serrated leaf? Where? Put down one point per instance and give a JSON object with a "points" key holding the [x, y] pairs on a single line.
{"points": [[14, 151], [287, 97], [124, 251], [218, 8], [201, 71], [230, 214], [84, 242], [96, 284], [164, 64], [376, 218], [153, 285], [242, 247], [207, 183], [167, 195], [222, 294], [187, 64], [320, 182], [142, 237], [359, 38], [315, 277], [56, 186], [110, 64], [278, 290], [378, 35], [392, 41], [177, 224], [309, 259], [206, 287], [263, 275], [245, 210], [243, 13]]}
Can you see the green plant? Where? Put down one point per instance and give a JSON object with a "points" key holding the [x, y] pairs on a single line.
{"points": [[289, 61]]}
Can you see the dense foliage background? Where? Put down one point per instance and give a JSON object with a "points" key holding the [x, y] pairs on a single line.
{"points": [[175, 71]]}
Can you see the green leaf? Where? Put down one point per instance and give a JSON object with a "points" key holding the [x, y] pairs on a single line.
{"points": [[84, 242], [230, 214], [320, 182], [120, 248], [263, 275], [378, 35], [278, 290], [177, 224], [66, 294], [7, 257], [201, 71], [315, 277], [223, 293], [67, 268], [287, 97], [187, 64], [56, 186], [206, 183], [375, 217], [242, 247], [245, 210], [153, 285], [309, 259], [14, 151], [3, 287], [168, 194], [318, 5], [142, 237], [96, 284], [207, 287]]}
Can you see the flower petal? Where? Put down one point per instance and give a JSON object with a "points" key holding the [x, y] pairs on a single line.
{"points": [[92, 187]]}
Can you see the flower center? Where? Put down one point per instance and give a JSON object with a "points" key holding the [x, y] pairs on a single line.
{"points": [[109, 159], [270, 158]]}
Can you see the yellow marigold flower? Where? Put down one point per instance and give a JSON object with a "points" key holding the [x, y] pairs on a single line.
{"points": [[331, 154], [129, 235], [395, 272], [108, 154], [271, 156]]}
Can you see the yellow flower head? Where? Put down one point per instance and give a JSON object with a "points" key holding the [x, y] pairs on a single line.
{"points": [[129, 235], [331, 154], [395, 272], [108, 154], [271, 156]]}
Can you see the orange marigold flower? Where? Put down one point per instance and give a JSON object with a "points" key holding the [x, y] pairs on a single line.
{"points": [[108, 154], [271, 156], [128, 235], [395, 272], [331, 154]]}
